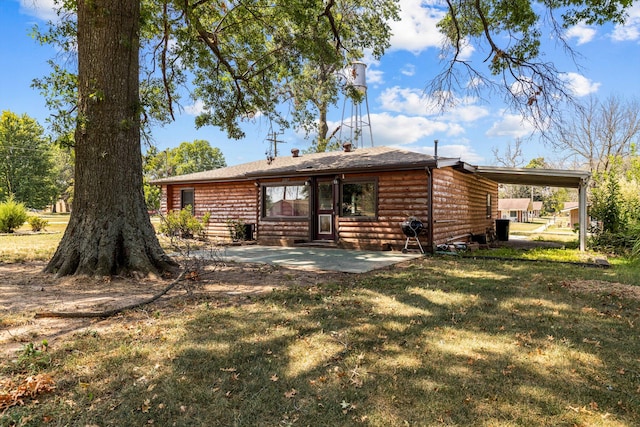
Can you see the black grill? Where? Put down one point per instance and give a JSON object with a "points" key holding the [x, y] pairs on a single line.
{"points": [[412, 228]]}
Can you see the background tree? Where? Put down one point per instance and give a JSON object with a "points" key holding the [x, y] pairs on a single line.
{"points": [[26, 167], [109, 231], [188, 157], [597, 132]]}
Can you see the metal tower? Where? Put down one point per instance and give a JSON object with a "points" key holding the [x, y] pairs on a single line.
{"points": [[356, 123]]}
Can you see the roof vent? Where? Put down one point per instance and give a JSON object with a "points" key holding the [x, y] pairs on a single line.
{"points": [[295, 152], [347, 147]]}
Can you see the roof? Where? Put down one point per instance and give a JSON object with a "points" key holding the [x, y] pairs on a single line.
{"points": [[533, 176], [537, 206], [376, 159], [515, 204], [569, 206], [362, 159]]}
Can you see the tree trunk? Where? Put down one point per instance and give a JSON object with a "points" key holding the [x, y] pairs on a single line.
{"points": [[109, 231]]}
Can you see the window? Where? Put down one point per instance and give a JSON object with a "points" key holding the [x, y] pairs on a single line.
{"points": [[187, 198], [489, 205], [288, 201], [359, 200]]}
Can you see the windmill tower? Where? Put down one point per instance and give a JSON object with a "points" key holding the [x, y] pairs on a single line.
{"points": [[356, 124]]}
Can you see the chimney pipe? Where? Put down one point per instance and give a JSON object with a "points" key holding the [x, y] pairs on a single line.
{"points": [[347, 147], [435, 149], [295, 152]]}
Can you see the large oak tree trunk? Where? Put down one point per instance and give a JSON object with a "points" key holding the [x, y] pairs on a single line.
{"points": [[109, 231]]}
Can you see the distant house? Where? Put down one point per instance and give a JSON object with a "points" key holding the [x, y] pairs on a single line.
{"points": [[517, 210], [352, 199], [571, 209], [536, 210]]}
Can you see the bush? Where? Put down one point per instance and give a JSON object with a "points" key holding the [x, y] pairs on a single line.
{"points": [[237, 230], [183, 224], [12, 215], [37, 223]]}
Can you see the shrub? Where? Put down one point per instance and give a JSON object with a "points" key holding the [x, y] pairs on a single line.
{"points": [[12, 215], [237, 230], [183, 224], [37, 223]]}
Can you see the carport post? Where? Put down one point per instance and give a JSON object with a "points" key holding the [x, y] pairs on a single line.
{"points": [[582, 213]]}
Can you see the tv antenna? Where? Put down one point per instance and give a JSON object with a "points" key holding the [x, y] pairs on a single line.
{"points": [[272, 151]]}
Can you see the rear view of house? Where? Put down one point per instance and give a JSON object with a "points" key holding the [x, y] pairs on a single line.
{"points": [[350, 199]]}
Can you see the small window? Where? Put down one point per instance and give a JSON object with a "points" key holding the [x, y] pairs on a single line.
{"points": [[359, 200], [489, 207], [286, 201], [187, 198]]}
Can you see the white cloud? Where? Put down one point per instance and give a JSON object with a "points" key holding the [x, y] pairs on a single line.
{"points": [[579, 84], [375, 77], [195, 109], [461, 150], [41, 9], [583, 33], [414, 102], [405, 100], [416, 30], [408, 70], [401, 129], [511, 126], [630, 31]]}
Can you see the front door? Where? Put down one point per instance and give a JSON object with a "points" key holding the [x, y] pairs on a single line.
{"points": [[324, 211]]}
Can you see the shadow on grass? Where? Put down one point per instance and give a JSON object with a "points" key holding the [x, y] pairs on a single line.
{"points": [[453, 342]]}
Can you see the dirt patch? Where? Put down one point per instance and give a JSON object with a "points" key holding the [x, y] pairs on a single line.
{"points": [[603, 288], [25, 290]]}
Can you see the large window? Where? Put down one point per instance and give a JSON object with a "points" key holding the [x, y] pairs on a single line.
{"points": [[359, 199], [187, 198], [289, 201], [489, 205]]}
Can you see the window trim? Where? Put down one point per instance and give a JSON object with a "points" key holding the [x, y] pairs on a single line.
{"points": [[263, 213], [376, 187]]}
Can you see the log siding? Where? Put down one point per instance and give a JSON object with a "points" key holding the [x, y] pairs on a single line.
{"points": [[459, 203]]}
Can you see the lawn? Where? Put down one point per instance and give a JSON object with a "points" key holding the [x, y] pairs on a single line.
{"points": [[438, 341]]}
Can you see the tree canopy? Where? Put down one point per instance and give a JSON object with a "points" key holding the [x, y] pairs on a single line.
{"points": [[240, 60], [510, 34], [26, 166]]}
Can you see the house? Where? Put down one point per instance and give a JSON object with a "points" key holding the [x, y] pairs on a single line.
{"points": [[536, 210], [351, 199], [517, 210], [571, 209]]}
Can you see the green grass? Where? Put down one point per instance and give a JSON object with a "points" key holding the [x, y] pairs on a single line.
{"points": [[459, 342]]}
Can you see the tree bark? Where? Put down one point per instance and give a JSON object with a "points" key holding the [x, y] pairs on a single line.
{"points": [[109, 230]]}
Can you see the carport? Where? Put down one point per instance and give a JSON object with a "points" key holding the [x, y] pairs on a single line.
{"points": [[545, 178]]}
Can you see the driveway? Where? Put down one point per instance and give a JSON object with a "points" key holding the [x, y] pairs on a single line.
{"points": [[325, 259]]}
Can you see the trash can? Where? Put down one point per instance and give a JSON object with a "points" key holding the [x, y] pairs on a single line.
{"points": [[502, 229], [248, 231]]}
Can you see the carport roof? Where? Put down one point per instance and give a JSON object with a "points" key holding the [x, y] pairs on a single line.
{"points": [[534, 176]]}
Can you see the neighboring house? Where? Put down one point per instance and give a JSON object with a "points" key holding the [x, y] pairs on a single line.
{"points": [[352, 199], [515, 209], [536, 210], [571, 209]]}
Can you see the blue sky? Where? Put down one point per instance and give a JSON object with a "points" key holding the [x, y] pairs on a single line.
{"points": [[398, 108]]}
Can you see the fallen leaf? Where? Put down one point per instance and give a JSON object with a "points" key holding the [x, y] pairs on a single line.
{"points": [[289, 394], [274, 378]]}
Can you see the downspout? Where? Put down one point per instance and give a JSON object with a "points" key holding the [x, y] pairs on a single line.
{"points": [[430, 246]]}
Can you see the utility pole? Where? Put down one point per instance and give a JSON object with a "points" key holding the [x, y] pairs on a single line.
{"points": [[272, 152]]}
